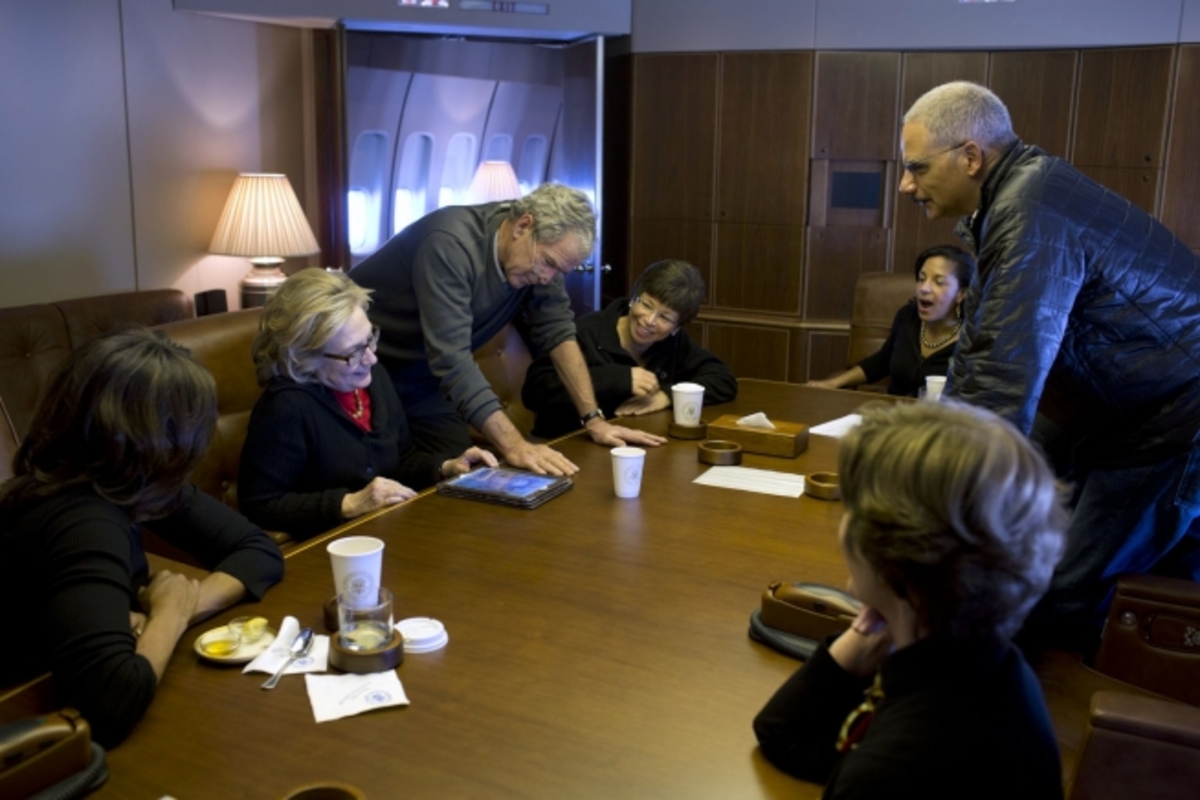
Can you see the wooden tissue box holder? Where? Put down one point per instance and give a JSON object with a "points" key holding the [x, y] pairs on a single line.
{"points": [[788, 440]]}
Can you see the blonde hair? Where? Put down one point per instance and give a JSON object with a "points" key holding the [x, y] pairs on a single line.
{"points": [[956, 512], [299, 320]]}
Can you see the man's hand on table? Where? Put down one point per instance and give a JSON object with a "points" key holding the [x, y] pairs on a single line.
{"points": [[540, 459], [610, 435]]}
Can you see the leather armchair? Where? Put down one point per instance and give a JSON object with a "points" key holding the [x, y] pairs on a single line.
{"points": [[221, 343], [1122, 734], [877, 298]]}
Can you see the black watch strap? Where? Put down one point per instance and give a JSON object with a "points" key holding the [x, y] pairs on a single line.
{"points": [[591, 415]]}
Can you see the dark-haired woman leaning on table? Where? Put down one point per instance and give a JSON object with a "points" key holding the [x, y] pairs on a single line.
{"points": [[120, 427], [925, 330]]}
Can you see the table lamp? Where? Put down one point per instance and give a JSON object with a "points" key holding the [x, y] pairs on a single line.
{"points": [[494, 181], [263, 221]]}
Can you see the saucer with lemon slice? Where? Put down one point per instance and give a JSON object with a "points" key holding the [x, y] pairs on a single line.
{"points": [[238, 642]]}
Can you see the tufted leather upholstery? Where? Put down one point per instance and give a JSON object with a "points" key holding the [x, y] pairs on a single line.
{"points": [[221, 342], [35, 339]]}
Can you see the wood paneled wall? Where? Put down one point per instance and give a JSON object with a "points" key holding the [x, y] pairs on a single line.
{"points": [[730, 156]]}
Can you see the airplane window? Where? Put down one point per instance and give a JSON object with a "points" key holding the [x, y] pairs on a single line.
{"points": [[532, 169], [499, 148], [364, 201], [412, 179], [458, 169]]}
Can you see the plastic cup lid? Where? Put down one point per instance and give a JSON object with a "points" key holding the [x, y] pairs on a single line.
{"points": [[422, 634]]}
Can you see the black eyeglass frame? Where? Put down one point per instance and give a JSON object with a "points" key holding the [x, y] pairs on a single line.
{"points": [[355, 357]]}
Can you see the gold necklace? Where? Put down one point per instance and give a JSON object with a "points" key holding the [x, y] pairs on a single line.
{"points": [[938, 345], [358, 405]]}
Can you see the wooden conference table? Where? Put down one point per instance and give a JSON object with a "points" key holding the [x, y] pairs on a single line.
{"points": [[598, 646]]}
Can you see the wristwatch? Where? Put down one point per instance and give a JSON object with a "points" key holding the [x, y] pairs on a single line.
{"points": [[591, 415]]}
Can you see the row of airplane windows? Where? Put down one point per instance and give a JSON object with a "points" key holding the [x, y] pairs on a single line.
{"points": [[369, 168]]}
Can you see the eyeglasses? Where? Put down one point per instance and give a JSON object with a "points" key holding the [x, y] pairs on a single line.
{"points": [[355, 357], [917, 167], [656, 314]]}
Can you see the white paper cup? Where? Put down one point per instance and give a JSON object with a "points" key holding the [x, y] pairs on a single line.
{"points": [[934, 385], [688, 399], [357, 562], [627, 470]]}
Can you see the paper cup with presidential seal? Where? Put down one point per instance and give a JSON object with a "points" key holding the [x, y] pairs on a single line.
{"points": [[357, 562], [627, 470], [687, 398]]}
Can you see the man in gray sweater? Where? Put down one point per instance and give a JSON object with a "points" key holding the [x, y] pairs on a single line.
{"points": [[449, 282]]}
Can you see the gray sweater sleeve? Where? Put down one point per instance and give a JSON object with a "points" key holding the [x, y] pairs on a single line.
{"points": [[445, 281]]}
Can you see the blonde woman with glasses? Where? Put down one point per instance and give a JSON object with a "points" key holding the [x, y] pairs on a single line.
{"points": [[328, 440]]}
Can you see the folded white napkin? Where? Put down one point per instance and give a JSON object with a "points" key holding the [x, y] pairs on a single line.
{"points": [[273, 657], [758, 420], [337, 696]]}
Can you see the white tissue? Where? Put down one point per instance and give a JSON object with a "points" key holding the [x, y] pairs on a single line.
{"points": [[337, 696], [273, 657], [758, 420]]}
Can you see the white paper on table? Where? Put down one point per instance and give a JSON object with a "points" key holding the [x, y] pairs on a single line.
{"points": [[762, 481], [273, 657], [838, 428], [337, 696]]}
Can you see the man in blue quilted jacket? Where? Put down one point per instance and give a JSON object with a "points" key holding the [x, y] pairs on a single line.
{"points": [[1087, 309]]}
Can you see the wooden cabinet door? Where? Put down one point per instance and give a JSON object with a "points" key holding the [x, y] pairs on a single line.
{"points": [[762, 167], [855, 109], [1181, 193], [1039, 89], [751, 351], [674, 136], [1122, 110]]}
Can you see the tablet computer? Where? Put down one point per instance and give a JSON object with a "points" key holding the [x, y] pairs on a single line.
{"points": [[510, 487]]}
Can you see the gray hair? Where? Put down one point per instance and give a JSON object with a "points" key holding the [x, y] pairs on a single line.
{"points": [[955, 511], [963, 111], [557, 211], [300, 319]]}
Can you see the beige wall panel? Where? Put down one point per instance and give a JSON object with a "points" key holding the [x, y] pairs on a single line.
{"points": [[64, 173], [208, 98]]}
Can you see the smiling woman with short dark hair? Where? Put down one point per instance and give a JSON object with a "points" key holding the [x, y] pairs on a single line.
{"points": [[635, 350]]}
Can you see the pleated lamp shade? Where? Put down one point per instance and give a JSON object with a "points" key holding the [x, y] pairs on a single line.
{"points": [[263, 221], [494, 181]]}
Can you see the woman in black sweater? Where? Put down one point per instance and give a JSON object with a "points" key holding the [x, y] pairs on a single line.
{"points": [[635, 350], [952, 529], [925, 330], [121, 425], [328, 440]]}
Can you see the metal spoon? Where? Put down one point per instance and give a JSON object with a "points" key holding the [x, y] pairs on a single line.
{"points": [[299, 648]]}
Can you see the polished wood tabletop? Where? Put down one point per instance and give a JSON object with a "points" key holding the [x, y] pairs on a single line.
{"points": [[598, 646]]}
